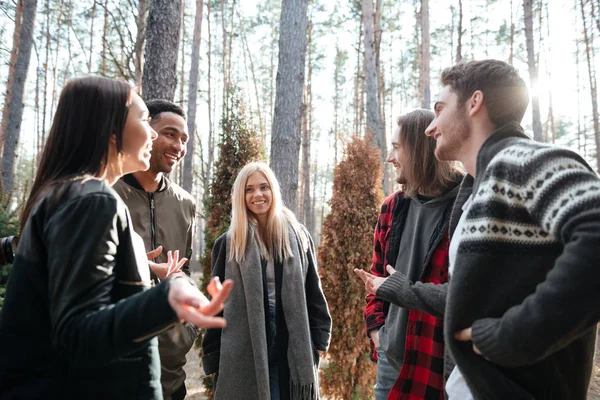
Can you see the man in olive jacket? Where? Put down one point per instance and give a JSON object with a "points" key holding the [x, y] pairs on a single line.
{"points": [[163, 215]]}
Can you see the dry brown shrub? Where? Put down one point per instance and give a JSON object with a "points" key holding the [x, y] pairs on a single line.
{"points": [[347, 243]]}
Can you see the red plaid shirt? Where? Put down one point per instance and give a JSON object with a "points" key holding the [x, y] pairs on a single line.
{"points": [[421, 376]]}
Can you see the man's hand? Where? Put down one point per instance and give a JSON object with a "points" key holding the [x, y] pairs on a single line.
{"points": [[371, 281], [171, 267], [375, 337], [466, 335], [192, 306]]}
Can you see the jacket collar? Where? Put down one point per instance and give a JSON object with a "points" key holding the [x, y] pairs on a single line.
{"points": [[131, 181]]}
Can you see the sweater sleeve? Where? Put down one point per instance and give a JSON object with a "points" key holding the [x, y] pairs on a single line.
{"points": [[427, 297], [211, 341], [82, 239], [562, 195], [374, 314]]}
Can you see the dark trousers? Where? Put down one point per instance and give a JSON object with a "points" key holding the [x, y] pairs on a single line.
{"points": [[179, 393]]}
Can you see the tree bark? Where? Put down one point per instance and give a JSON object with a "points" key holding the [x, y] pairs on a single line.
{"points": [[210, 104], [424, 75], [138, 49], [306, 139], [285, 139], [374, 121], [533, 73], [159, 78], [460, 32], [592, 77], [188, 165], [15, 106], [11, 71]]}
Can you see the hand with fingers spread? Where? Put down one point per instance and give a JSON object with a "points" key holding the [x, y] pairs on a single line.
{"points": [[171, 267], [193, 307], [372, 282]]}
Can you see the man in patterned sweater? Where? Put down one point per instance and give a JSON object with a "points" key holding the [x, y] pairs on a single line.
{"points": [[520, 319], [412, 236]]}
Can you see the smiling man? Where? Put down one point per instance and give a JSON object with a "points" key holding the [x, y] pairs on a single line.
{"points": [[163, 214], [520, 319]]}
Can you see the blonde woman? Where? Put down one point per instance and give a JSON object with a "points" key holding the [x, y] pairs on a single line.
{"points": [[277, 316]]}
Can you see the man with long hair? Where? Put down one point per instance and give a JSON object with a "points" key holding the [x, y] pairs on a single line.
{"points": [[411, 237], [520, 319], [163, 215]]}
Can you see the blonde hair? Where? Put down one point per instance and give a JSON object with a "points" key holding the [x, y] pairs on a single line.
{"points": [[276, 243]]}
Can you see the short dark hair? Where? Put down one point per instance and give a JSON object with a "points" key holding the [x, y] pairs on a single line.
{"points": [[425, 174], [159, 106], [505, 93]]}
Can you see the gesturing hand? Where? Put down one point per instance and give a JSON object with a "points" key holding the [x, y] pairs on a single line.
{"points": [[192, 306], [372, 282], [164, 270]]}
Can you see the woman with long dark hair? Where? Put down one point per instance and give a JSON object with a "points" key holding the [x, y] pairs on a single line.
{"points": [[77, 320], [277, 315]]}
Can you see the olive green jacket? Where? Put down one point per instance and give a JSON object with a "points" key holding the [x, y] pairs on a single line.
{"points": [[165, 218]]}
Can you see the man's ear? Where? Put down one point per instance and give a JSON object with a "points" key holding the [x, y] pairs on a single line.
{"points": [[475, 103]]}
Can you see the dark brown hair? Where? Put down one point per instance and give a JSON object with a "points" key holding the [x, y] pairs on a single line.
{"points": [[89, 111], [505, 93], [424, 173]]}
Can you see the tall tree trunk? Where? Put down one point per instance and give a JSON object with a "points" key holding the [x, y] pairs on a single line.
{"points": [[580, 136], [188, 166], [460, 32], [533, 73], [374, 122], [91, 49], [336, 99], [306, 139], [104, 53], [159, 78], [247, 51], [11, 71], [549, 71], [224, 55], [138, 49], [357, 83], [592, 77], [424, 75], [285, 139], [210, 104], [512, 35], [45, 91], [182, 63], [15, 106]]}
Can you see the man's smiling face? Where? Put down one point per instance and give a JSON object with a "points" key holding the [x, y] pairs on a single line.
{"points": [[171, 145]]}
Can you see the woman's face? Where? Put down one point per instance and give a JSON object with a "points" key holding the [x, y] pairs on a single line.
{"points": [[137, 137], [258, 195]]}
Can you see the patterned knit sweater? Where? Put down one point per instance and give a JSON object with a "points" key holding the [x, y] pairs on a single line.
{"points": [[527, 276]]}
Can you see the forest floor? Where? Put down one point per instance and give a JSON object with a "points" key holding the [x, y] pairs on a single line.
{"points": [[196, 390], [194, 372]]}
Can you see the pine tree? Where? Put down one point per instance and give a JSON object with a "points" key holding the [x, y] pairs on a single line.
{"points": [[347, 244]]}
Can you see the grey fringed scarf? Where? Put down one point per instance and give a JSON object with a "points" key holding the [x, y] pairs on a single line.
{"points": [[243, 366]]}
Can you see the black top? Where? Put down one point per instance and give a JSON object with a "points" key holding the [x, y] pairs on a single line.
{"points": [[71, 326]]}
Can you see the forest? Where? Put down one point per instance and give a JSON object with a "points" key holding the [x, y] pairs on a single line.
{"points": [[313, 87]]}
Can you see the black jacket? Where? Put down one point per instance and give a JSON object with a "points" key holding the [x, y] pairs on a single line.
{"points": [[77, 320]]}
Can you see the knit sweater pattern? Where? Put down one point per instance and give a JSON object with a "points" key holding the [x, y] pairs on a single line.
{"points": [[527, 271]]}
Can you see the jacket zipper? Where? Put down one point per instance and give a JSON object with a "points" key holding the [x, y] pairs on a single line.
{"points": [[152, 223]]}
